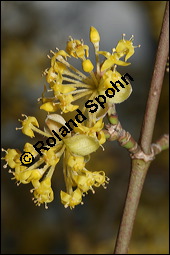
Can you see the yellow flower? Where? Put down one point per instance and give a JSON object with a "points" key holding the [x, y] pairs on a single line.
{"points": [[76, 162], [77, 49], [70, 84], [65, 103], [28, 125], [44, 193], [67, 84], [75, 149], [125, 47], [11, 157], [50, 157], [72, 199]]}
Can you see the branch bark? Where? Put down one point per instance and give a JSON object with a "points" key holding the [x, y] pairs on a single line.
{"points": [[140, 167]]}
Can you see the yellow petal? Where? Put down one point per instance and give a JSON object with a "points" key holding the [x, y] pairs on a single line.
{"points": [[108, 63], [49, 107]]}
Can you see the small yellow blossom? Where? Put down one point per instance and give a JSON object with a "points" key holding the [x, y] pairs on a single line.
{"points": [[77, 49], [125, 47], [71, 199], [12, 158], [76, 162], [28, 125], [44, 193]]}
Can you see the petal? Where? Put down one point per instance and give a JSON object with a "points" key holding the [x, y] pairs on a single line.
{"points": [[108, 63], [49, 107]]}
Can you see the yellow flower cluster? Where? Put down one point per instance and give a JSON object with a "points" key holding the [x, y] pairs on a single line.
{"points": [[68, 85]]}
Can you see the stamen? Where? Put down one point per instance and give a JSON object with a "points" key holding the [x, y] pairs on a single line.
{"points": [[102, 147], [31, 191], [23, 115], [10, 171], [113, 50], [52, 52], [132, 38], [137, 46], [18, 128], [4, 150], [5, 166], [114, 68]]}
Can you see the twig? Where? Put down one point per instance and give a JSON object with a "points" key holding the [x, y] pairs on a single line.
{"points": [[139, 166]]}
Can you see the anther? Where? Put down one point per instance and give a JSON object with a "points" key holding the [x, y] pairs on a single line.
{"points": [[4, 150], [52, 52], [5, 166], [39, 99], [18, 128], [138, 46], [46, 207], [23, 115], [123, 37], [132, 38]]}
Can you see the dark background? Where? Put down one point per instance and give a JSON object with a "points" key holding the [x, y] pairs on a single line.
{"points": [[29, 31]]}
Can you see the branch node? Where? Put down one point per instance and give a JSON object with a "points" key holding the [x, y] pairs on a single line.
{"points": [[141, 155]]}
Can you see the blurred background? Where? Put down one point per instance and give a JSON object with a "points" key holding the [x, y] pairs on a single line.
{"points": [[29, 30]]}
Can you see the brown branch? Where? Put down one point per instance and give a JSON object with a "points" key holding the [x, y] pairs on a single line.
{"points": [[140, 167], [156, 85]]}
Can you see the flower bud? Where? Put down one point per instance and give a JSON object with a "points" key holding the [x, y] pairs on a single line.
{"points": [[94, 35], [82, 145], [87, 65]]}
